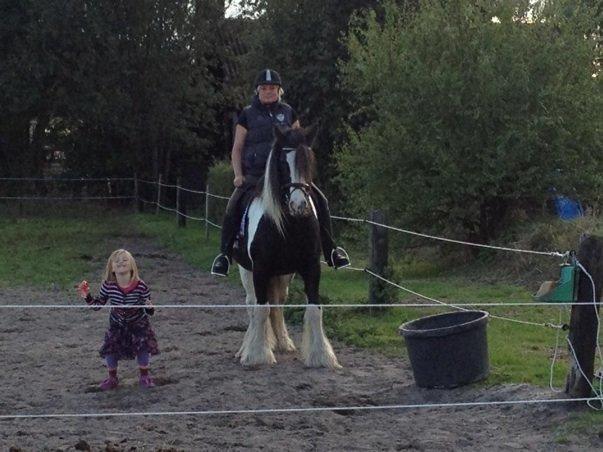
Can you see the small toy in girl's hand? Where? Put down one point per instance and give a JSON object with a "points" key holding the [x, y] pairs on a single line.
{"points": [[83, 289]]}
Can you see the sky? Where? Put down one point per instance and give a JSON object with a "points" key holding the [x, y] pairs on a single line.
{"points": [[233, 9]]}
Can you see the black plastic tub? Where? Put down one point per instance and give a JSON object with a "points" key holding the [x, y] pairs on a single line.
{"points": [[448, 350]]}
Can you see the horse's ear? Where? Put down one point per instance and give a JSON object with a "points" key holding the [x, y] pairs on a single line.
{"points": [[280, 132], [311, 132]]}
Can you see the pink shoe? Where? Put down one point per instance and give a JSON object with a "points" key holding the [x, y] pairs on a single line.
{"points": [[146, 381], [109, 383]]}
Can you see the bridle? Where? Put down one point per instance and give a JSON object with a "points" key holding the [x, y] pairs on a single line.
{"points": [[302, 186]]}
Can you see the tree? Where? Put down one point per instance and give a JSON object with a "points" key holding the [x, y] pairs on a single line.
{"points": [[474, 108], [302, 39], [121, 86]]}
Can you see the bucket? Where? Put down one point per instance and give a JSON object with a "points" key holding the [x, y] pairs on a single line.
{"points": [[448, 350]]}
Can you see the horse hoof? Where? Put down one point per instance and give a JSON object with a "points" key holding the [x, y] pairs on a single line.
{"points": [[286, 348], [255, 365], [316, 362], [251, 367]]}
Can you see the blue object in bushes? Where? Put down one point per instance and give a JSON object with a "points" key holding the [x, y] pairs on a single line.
{"points": [[567, 209]]}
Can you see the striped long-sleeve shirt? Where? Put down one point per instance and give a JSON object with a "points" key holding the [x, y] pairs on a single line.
{"points": [[136, 294]]}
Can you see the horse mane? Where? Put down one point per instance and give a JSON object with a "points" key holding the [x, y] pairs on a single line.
{"points": [[271, 194]]}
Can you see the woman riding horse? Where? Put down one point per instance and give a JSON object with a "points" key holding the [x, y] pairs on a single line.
{"points": [[252, 143]]}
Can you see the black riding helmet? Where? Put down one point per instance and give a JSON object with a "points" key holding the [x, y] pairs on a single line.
{"points": [[268, 77]]}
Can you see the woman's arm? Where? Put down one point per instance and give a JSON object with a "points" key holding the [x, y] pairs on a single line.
{"points": [[237, 155]]}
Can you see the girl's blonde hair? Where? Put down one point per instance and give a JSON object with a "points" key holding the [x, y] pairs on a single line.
{"points": [[109, 275]]}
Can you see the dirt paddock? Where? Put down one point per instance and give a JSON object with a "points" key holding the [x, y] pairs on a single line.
{"points": [[51, 365]]}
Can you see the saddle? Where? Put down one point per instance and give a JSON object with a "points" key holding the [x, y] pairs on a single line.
{"points": [[251, 191]]}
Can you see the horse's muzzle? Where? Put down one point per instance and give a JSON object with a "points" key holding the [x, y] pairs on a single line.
{"points": [[297, 196], [300, 209]]}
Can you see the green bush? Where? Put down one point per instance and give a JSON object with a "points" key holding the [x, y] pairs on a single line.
{"points": [[471, 109], [544, 234], [219, 178]]}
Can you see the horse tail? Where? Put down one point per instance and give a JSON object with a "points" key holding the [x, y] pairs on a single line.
{"points": [[271, 196]]}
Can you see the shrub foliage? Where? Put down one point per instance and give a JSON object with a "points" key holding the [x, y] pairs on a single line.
{"points": [[471, 109]]}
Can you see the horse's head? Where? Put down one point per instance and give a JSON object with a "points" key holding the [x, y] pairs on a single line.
{"points": [[289, 174]]}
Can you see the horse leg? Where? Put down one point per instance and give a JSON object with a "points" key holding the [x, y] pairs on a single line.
{"points": [[316, 348], [258, 351], [250, 300], [280, 291]]}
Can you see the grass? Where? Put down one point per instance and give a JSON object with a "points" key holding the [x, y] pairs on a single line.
{"points": [[189, 242], [58, 250], [52, 250]]}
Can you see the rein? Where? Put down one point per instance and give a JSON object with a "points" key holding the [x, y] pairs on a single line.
{"points": [[305, 188]]}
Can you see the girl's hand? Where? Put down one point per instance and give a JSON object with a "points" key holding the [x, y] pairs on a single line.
{"points": [[149, 308], [83, 289]]}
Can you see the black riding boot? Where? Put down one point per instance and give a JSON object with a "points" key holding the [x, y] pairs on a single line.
{"points": [[336, 257], [230, 226]]}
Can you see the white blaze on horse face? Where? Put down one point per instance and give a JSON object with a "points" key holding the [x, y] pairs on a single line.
{"points": [[298, 202]]}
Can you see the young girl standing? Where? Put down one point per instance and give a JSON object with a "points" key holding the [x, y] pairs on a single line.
{"points": [[130, 334]]}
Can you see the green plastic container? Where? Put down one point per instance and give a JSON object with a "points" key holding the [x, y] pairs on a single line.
{"points": [[566, 288]]}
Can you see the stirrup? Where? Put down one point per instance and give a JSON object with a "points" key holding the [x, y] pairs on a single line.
{"points": [[213, 265], [344, 256]]}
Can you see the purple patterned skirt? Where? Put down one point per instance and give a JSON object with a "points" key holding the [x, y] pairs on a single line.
{"points": [[125, 341]]}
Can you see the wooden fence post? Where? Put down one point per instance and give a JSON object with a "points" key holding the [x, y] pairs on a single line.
{"points": [[583, 323], [109, 192], [137, 201], [180, 205], [158, 195], [378, 257], [206, 211]]}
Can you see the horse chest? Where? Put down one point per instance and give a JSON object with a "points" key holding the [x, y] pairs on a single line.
{"points": [[300, 245]]}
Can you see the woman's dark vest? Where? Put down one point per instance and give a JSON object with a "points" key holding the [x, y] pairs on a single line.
{"points": [[258, 141]]}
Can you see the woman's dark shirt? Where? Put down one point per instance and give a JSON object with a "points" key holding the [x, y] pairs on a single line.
{"points": [[259, 119]]}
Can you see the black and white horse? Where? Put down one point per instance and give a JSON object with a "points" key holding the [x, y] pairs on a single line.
{"points": [[282, 238]]}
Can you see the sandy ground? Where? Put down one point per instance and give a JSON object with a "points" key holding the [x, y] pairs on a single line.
{"points": [[50, 365]]}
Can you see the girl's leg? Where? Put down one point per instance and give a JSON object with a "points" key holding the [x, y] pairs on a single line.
{"points": [[143, 359], [111, 361], [112, 381]]}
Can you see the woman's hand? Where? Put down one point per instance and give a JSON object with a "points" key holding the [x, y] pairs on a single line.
{"points": [[238, 181], [83, 289]]}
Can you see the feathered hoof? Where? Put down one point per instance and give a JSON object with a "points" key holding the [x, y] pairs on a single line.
{"points": [[317, 360], [258, 361], [244, 345], [286, 346]]}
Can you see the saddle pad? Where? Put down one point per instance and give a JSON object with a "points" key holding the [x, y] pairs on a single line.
{"points": [[244, 221]]}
